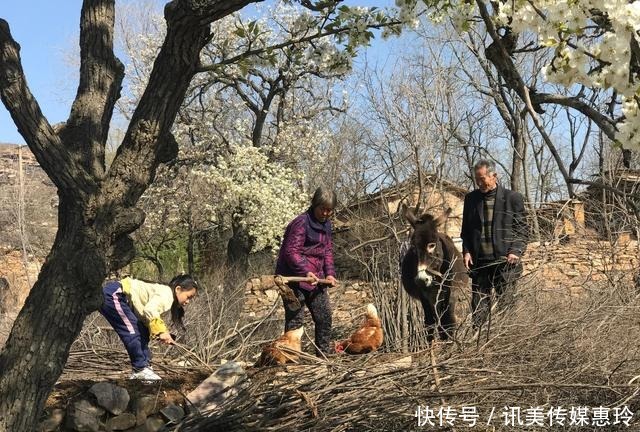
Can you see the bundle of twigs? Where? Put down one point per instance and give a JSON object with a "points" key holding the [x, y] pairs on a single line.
{"points": [[550, 350]]}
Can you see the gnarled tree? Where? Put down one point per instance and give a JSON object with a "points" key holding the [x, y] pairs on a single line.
{"points": [[97, 207], [97, 210]]}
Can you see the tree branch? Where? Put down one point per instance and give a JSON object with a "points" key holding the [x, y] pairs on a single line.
{"points": [[258, 51], [204, 12], [320, 5], [605, 123], [43, 141], [631, 203], [101, 75]]}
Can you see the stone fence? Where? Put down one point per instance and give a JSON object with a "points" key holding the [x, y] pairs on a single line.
{"points": [[557, 265], [579, 261]]}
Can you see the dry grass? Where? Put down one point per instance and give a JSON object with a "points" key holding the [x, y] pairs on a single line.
{"points": [[554, 348], [551, 350]]}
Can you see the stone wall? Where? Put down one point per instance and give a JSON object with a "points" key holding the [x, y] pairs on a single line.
{"points": [[568, 265], [139, 406], [578, 261], [108, 407]]}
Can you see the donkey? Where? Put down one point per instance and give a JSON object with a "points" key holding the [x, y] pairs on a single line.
{"points": [[433, 272]]}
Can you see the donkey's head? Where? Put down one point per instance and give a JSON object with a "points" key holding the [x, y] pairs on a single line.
{"points": [[425, 243]]}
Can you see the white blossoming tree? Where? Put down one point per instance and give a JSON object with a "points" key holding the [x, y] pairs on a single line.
{"points": [[589, 45], [278, 102]]}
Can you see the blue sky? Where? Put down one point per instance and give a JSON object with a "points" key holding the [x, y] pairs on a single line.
{"points": [[47, 32]]}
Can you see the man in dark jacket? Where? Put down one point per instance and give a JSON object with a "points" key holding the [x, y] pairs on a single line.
{"points": [[493, 236]]}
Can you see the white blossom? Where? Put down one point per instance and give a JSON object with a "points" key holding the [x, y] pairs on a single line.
{"points": [[580, 56]]}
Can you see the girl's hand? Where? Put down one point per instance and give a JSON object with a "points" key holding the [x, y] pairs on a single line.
{"points": [[166, 338], [332, 281]]}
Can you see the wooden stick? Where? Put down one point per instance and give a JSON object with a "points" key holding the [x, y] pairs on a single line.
{"points": [[287, 293], [287, 279]]}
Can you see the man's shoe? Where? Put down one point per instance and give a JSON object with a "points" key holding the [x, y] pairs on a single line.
{"points": [[147, 375]]}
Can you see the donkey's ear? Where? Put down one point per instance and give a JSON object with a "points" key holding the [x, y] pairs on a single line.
{"points": [[408, 214], [443, 217]]}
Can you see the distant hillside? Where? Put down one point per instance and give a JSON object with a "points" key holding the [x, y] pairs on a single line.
{"points": [[29, 202]]}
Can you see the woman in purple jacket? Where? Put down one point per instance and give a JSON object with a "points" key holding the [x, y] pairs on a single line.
{"points": [[307, 251]]}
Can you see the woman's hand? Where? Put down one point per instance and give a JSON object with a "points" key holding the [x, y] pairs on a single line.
{"points": [[313, 276], [166, 338], [332, 281]]}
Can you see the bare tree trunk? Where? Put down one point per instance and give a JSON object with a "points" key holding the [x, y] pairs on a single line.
{"points": [[212, 255], [518, 152], [603, 196], [159, 267], [525, 181], [238, 249], [190, 252], [416, 156], [404, 314], [39, 343]]}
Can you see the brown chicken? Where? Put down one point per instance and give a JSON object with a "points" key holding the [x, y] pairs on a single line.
{"points": [[273, 355], [367, 339]]}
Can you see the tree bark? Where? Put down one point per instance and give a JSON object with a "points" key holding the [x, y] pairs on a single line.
{"points": [[38, 346], [238, 250], [97, 209], [517, 161], [191, 251]]}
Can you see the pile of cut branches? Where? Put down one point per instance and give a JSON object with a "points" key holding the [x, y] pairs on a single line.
{"points": [[553, 350]]}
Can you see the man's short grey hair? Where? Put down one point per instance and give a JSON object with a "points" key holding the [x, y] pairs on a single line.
{"points": [[485, 163], [324, 196]]}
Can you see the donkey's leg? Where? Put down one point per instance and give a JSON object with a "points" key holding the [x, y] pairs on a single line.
{"points": [[430, 318], [448, 322]]}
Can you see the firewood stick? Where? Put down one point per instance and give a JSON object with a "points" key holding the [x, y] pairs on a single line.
{"points": [[287, 279], [193, 355], [287, 293]]}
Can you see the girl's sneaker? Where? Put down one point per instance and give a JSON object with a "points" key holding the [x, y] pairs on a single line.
{"points": [[146, 374]]}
